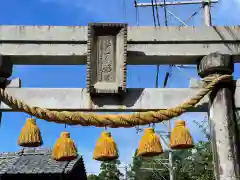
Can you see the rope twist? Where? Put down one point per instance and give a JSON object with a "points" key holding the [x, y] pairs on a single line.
{"points": [[113, 120]]}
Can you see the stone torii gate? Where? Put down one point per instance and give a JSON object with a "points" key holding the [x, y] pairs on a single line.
{"points": [[107, 48]]}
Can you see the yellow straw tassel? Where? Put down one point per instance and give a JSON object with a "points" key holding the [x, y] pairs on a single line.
{"points": [[30, 135], [150, 144], [64, 148], [180, 136], [106, 148]]}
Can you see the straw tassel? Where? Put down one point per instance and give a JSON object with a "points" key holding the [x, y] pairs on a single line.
{"points": [[64, 148], [106, 148], [30, 135], [150, 144], [180, 136]]}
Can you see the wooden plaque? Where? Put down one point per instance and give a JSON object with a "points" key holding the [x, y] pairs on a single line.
{"points": [[106, 58]]}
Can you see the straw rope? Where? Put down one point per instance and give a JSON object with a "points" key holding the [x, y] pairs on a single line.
{"points": [[113, 120]]}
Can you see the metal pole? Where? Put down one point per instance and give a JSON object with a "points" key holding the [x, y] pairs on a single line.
{"points": [[175, 3], [207, 20], [171, 173], [176, 17], [165, 13], [207, 13], [126, 177]]}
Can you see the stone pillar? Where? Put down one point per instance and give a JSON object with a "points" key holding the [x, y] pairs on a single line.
{"points": [[222, 120], [6, 68]]}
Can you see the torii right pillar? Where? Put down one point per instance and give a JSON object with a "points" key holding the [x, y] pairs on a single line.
{"points": [[222, 119]]}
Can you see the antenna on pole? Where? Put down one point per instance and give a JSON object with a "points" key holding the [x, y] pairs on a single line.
{"points": [[206, 5]]}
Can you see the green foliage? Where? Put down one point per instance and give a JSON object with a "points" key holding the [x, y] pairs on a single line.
{"points": [[147, 169], [134, 173], [93, 177], [193, 164], [109, 170]]}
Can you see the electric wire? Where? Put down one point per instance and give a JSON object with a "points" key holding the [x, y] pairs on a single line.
{"points": [[153, 13], [136, 12], [157, 13]]}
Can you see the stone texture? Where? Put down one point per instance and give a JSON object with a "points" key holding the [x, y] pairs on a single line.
{"points": [[224, 130], [106, 61], [215, 63], [147, 45]]}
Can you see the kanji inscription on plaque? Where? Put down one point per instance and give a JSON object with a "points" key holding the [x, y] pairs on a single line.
{"points": [[106, 55], [106, 61]]}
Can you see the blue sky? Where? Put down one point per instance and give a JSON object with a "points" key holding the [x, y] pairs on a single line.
{"points": [[79, 12]]}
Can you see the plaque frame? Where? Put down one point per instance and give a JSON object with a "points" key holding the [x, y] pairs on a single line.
{"points": [[106, 58]]}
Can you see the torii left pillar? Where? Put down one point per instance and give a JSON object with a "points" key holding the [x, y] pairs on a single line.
{"points": [[6, 68], [222, 120]]}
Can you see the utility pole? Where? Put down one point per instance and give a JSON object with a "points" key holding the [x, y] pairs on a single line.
{"points": [[206, 5], [170, 160], [207, 22], [125, 171], [175, 3], [207, 13], [126, 177]]}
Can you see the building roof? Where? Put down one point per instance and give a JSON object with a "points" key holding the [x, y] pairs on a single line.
{"points": [[35, 161]]}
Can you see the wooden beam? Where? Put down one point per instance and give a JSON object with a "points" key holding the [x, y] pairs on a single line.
{"points": [[77, 99], [161, 45]]}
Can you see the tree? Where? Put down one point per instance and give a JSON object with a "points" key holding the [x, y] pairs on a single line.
{"points": [[134, 173], [202, 159], [148, 168], [109, 170], [92, 177], [182, 160], [192, 164]]}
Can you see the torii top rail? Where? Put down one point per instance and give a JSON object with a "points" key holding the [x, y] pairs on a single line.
{"points": [[106, 49], [39, 45]]}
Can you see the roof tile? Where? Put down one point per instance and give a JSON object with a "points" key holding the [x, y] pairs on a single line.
{"points": [[33, 161]]}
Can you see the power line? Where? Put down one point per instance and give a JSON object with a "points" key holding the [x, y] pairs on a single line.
{"points": [[206, 4], [158, 66], [136, 12], [153, 13], [178, 3], [157, 76], [207, 20], [194, 14], [124, 10], [157, 11], [165, 13]]}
